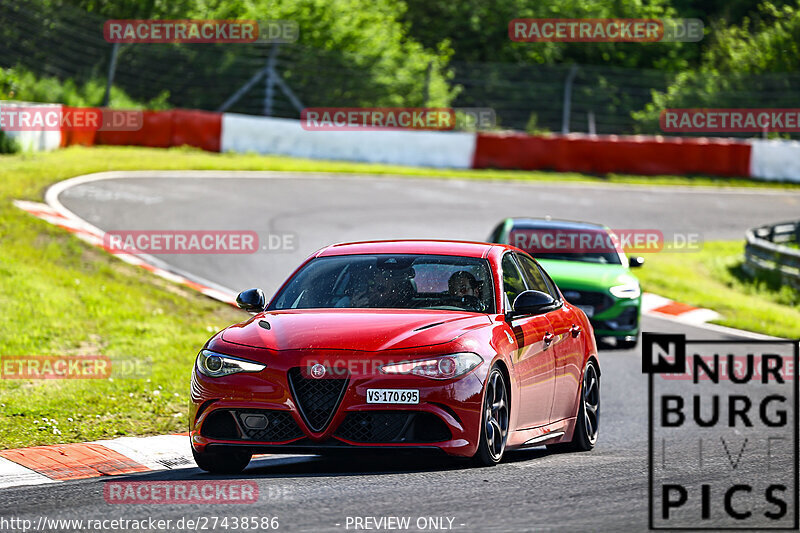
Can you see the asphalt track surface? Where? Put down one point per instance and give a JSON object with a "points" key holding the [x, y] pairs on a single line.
{"points": [[604, 490]]}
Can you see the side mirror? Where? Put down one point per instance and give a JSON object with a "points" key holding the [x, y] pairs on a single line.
{"points": [[252, 300], [533, 303], [636, 262]]}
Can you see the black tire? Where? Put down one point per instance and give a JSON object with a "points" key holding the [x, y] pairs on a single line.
{"points": [[222, 463], [587, 423], [494, 420]]}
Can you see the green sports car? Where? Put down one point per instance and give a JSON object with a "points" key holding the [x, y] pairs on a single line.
{"points": [[588, 266]]}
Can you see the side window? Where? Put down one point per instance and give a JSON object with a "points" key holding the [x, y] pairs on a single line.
{"points": [[535, 279], [513, 283], [551, 284]]}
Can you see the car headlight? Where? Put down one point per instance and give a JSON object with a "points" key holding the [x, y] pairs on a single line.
{"points": [[444, 367], [215, 365], [626, 290]]}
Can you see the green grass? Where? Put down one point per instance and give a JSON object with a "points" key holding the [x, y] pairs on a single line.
{"points": [[60, 296], [713, 278]]}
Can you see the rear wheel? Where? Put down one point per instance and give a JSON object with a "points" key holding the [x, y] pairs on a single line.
{"points": [[587, 423], [494, 421], [222, 463]]}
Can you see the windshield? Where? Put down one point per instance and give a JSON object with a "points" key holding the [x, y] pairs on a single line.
{"points": [[584, 245], [390, 281]]}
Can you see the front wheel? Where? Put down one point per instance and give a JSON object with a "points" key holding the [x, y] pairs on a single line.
{"points": [[222, 463], [587, 426], [494, 420]]}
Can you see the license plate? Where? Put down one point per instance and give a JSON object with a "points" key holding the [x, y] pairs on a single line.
{"points": [[405, 396], [588, 309]]}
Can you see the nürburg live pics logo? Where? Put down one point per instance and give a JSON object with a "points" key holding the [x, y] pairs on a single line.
{"points": [[723, 433]]}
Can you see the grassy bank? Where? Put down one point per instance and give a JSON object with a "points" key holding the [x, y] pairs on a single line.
{"points": [[713, 278]]}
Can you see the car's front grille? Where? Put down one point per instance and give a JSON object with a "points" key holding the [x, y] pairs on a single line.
{"points": [[627, 320], [393, 426], [600, 301], [251, 424], [317, 399]]}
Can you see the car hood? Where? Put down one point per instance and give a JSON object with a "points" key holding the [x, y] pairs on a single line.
{"points": [[586, 276], [353, 329]]}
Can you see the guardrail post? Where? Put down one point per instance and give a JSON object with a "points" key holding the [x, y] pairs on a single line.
{"points": [[112, 69], [269, 93], [567, 109]]}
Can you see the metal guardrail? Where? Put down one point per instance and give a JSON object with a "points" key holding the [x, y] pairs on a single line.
{"points": [[766, 251]]}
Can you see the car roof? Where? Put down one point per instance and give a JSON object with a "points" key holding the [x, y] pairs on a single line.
{"points": [[411, 246], [543, 223]]}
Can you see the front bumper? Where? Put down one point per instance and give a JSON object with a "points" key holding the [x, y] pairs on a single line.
{"points": [[622, 319], [262, 412], [612, 316]]}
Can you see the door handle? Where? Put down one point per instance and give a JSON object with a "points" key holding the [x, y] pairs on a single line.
{"points": [[548, 339], [575, 330]]}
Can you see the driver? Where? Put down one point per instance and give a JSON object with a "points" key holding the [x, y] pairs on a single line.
{"points": [[462, 283]]}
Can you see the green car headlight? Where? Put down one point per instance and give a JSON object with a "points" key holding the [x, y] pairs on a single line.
{"points": [[626, 290]]}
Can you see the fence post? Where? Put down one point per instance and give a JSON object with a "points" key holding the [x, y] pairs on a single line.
{"points": [[568, 98], [269, 93], [272, 78], [112, 68], [426, 90]]}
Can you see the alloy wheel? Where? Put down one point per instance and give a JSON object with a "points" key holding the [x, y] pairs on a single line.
{"points": [[591, 403], [496, 415]]}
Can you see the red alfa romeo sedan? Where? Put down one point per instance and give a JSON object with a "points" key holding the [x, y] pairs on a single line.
{"points": [[466, 348]]}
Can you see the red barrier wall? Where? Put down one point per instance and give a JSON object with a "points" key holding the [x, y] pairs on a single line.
{"points": [[618, 154], [73, 135], [202, 129], [156, 132], [564, 153], [160, 129]]}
